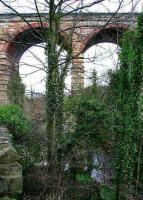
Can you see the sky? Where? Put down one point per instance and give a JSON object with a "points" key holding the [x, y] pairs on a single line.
{"points": [[105, 6], [106, 58], [106, 54]]}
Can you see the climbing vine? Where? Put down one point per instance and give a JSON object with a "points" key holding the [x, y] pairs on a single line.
{"points": [[126, 92]]}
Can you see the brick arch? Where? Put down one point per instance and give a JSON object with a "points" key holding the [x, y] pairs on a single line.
{"points": [[23, 37], [108, 34]]}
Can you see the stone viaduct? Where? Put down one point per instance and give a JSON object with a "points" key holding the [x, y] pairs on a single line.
{"points": [[17, 35]]}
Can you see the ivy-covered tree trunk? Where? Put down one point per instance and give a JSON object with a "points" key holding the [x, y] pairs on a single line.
{"points": [[54, 85], [50, 83], [59, 107], [126, 88]]}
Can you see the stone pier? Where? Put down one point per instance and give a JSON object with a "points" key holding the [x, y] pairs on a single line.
{"points": [[4, 77], [10, 169]]}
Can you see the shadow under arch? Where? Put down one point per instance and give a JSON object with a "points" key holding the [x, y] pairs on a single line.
{"points": [[26, 39], [110, 34]]}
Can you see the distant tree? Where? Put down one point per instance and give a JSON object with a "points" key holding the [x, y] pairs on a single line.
{"points": [[16, 90]]}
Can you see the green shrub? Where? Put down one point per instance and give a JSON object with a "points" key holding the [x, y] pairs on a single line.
{"points": [[83, 178], [107, 193], [12, 117]]}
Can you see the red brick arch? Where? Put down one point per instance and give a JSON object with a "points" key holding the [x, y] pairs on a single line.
{"points": [[99, 35], [14, 31]]}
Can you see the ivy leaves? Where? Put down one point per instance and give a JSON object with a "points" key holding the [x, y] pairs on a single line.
{"points": [[13, 118]]}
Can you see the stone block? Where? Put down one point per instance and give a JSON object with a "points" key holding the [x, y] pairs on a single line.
{"points": [[11, 178], [10, 169]]}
